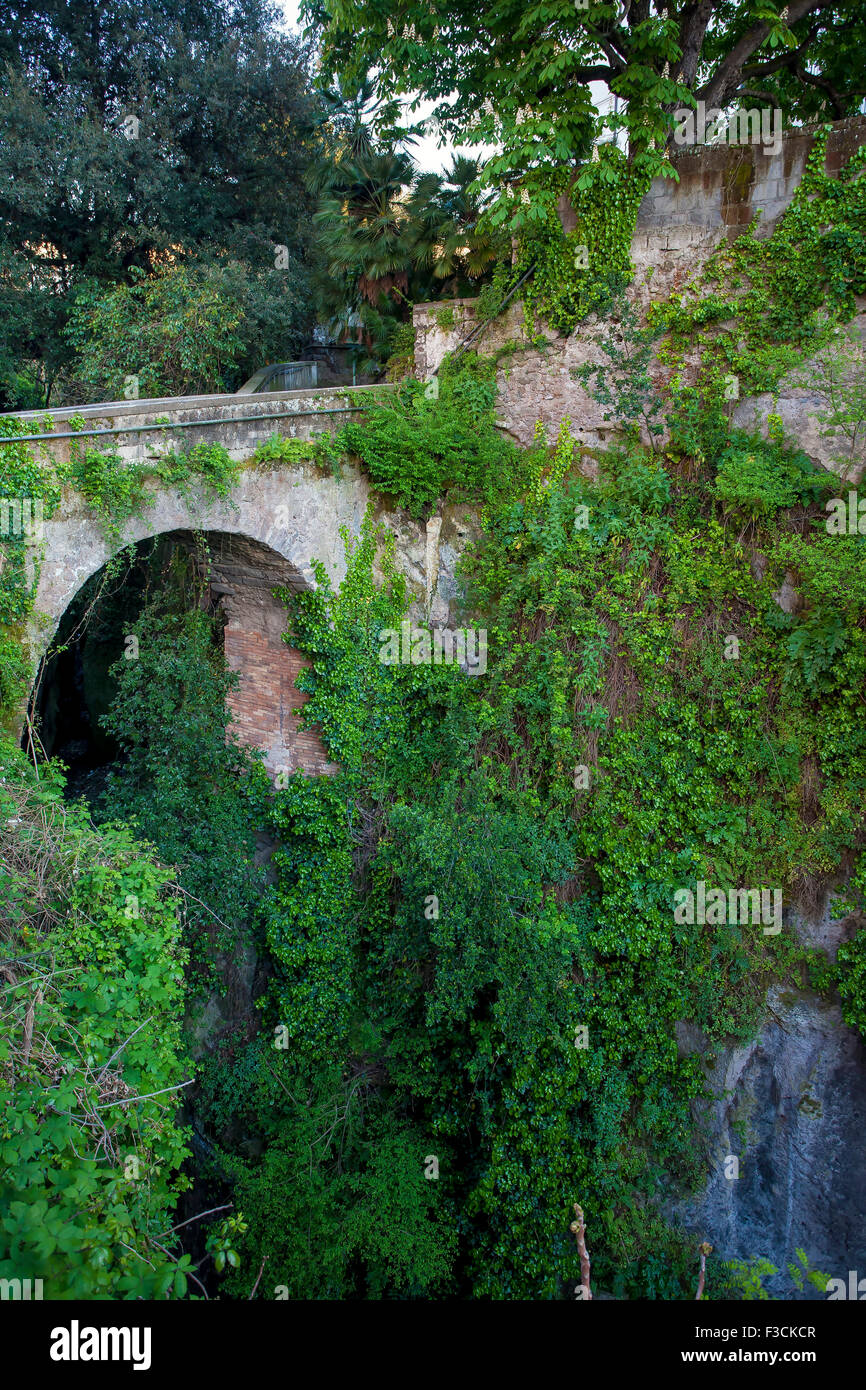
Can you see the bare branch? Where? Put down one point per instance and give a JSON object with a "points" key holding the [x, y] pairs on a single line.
{"points": [[256, 1284], [225, 1207], [133, 1100], [706, 1249]]}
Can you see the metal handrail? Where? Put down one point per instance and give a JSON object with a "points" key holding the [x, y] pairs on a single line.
{"points": [[259, 379], [186, 424], [479, 328]]}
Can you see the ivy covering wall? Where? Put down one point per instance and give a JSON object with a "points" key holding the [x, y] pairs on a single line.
{"points": [[475, 972]]}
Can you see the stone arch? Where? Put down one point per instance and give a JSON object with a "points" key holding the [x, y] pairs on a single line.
{"points": [[295, 511], [267, 534]]}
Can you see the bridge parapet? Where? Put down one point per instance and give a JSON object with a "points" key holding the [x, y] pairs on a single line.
{"points": [[134, 429]]}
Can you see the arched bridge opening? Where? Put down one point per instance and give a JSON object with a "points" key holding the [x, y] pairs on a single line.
{"points": [[237, 575]]}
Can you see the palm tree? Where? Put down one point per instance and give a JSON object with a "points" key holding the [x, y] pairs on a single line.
{"points": [[364, 237], [387, 235], [449, 239]]}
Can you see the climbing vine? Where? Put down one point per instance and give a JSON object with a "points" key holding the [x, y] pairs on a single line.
{"points": [[760, 304], [575, 273]]}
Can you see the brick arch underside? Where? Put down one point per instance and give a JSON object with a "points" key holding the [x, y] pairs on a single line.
{"points": [[244, 572]]}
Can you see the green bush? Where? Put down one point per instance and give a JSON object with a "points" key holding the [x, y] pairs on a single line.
{"points": [[758, 477], [176, 332], [339, 1202], [90, 1063], [424, 444]]}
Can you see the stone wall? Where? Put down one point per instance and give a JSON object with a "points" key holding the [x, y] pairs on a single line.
{"points": [[244, 575], [722, 187], [719, 192]]}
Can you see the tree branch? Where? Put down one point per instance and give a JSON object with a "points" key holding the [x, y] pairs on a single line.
{"points": [[756, 95], [693, 26], [618, 61], [783, 60], [813, 80], [724, 81]]}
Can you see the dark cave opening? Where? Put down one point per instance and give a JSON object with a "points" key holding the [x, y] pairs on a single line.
{"points": [[74, 687]]}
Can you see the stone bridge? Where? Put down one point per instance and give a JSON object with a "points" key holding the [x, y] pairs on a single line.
{"points": [[278, 520]]}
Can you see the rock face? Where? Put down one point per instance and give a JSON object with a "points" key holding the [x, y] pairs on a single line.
{"points": [[801, 405], [790, 1107]]}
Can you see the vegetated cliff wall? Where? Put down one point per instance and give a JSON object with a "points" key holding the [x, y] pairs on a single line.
{"points": [[789, 1106], [720, 191]]}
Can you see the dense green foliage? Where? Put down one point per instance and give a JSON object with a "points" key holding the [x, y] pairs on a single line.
{"points": [[463, 789], [90, 1060], [137, 136], [454, 908], [172, 334], [425, 441], [192, 791], [338, 1203]]}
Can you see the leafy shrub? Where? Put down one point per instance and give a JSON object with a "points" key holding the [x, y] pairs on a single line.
{"points": [[90, 1064], [851, 981], [758, 477], [211, 465], [637, 479], [114, 488], [177, 332], [421, 447], [280, 448], [14, 671], [339, 1202]]}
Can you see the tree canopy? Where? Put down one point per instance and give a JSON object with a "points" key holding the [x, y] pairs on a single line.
{"points": [[520, 75], [138, 134]]}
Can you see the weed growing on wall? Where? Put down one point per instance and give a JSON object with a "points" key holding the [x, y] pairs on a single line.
{"points": [[761, 303]]}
